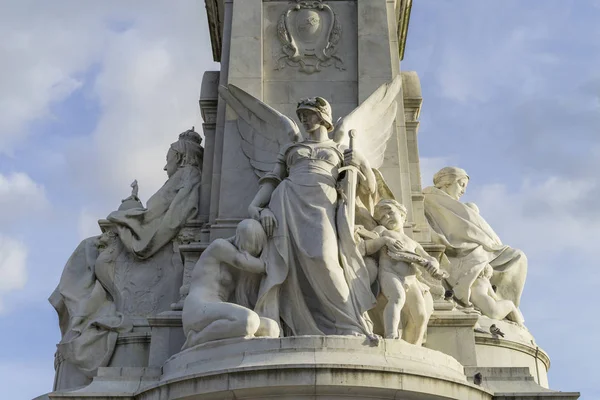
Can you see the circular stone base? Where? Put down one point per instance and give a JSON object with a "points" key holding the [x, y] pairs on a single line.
{"points": [[312, 367], [516, 348]]}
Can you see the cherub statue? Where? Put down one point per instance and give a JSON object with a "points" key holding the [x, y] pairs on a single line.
{"points": [[207, 313], [485, 299], [316, 280], [409, 303]]}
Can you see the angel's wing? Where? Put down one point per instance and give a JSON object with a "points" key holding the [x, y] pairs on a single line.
{"points": [[264, 130], [373, 121]]}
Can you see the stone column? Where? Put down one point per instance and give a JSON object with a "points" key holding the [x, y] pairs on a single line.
{"points": [[412, 100], [243, 66], [378, 63], [208, 107]]}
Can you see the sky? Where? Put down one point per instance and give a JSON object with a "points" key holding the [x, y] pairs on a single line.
{"points": [[92, 93]]}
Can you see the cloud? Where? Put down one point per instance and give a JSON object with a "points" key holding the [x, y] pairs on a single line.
{"points": [[13, 266], [431, 165], [41, 61], [20, 197], [544, 218], [147, 87], [142, 63], [88, 223]]}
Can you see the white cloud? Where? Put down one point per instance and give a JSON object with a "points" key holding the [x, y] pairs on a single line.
{"points": [[42, 54], [87, 223], [147, 62], [431, 165], [20, 196], [542, 218], [147, 86], [13, 266]]}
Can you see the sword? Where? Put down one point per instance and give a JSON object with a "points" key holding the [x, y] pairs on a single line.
{"points": [[349, 185]]}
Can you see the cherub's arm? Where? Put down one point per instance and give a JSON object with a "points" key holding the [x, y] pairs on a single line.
{"points": [[432, 266], [224, 251], [421, 251], [372, 246]]}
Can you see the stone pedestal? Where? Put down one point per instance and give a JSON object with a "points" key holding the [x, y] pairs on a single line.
{"points": [[307, 367]]}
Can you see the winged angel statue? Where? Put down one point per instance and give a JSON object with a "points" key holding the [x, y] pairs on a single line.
{"points": [[316, 281]]}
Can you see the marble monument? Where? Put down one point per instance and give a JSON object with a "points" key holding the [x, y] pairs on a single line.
{"points": [[292, 252]]}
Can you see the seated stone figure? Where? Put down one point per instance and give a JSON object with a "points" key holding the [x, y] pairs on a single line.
{"points": [[207, 314], [485, 299], [409, 303], [470, 242], [129, 273]]}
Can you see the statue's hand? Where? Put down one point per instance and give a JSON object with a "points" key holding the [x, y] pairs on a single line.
{"points": [[268, 221], [351, 158], [254, 212], [433, 267], [393, 244]]}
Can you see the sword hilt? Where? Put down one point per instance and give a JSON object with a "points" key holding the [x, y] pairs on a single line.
{"points": [[352, 135]]}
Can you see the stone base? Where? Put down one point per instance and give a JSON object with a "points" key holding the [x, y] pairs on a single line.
{"points": [[309, 367], [516, 349], [452, 332], [515, 383]]}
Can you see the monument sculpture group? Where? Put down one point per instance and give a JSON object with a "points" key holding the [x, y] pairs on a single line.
{"points": [[286, 262]]}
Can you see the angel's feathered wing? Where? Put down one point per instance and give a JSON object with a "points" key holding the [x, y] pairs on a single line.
{"points": [[373, 120], [263, 129]]}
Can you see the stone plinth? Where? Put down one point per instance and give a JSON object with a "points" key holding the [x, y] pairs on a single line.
{"points": [[312, 367], [516, 348], [305, 367]]}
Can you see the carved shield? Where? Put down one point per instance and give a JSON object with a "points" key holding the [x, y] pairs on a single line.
{"points": [[309, 32]]}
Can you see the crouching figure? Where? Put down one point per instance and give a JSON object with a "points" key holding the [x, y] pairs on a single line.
{"points": [[207, 313]]}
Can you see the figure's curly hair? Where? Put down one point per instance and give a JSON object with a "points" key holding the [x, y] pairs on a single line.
{"points": [[388, 203]]}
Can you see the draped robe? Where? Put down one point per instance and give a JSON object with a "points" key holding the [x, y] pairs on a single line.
{"points": [[471, 244], [316, 280], [87, 293]]}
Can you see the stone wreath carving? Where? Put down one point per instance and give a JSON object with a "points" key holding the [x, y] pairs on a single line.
{"points": [[310, 33]]}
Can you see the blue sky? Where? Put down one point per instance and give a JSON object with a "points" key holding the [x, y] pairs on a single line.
{"points": [[92, 93]]}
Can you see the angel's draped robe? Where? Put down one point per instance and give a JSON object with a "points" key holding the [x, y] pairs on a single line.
{"points": [[316, 280], [471, 244]]}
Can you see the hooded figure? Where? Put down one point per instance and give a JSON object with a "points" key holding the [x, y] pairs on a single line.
{"points": [[470, 242]]}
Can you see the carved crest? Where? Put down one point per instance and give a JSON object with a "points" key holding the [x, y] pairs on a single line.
{"points": [[310, 34]]}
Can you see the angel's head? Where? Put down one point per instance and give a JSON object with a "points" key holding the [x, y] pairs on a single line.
{"points": [[390, 214], [185, 151], [452, 180], [315, 112]]}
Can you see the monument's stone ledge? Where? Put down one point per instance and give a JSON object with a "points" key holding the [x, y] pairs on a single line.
{"points": [[313, 351], [312, 366]]}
